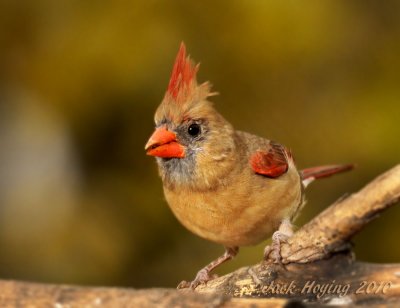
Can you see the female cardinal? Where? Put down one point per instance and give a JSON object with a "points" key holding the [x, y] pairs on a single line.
{"points": [[227, 186]]}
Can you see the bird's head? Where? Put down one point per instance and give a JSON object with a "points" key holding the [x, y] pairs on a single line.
{"points": [[190, 137]]}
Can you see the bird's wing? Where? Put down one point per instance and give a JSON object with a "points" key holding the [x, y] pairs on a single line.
{"points": [[271, 162]]}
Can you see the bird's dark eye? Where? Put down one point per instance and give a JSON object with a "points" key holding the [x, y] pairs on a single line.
{"points": [[194, 130]]}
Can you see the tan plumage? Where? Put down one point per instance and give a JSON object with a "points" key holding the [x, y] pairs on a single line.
{"points": [[226, 186], [233, 206]]}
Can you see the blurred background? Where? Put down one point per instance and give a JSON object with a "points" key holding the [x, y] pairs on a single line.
{"points": [[81, 203]]}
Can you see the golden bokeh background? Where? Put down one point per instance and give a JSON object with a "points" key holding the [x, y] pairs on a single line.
{"points": [[80, 202]]}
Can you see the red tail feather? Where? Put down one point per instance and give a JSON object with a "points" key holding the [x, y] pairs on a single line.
{"points": [[324, 171]]}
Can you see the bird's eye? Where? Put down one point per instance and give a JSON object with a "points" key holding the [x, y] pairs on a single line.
{"points": [[194, 130]]}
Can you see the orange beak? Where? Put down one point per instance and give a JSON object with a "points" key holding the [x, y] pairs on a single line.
{"points": [[163, 143]]}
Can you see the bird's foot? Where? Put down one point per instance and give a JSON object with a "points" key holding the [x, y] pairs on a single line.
{"points": [[273, 251], [203, 276]]}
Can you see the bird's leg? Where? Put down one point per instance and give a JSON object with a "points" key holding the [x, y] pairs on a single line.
{"points": [[273, 251], [203, 275]]}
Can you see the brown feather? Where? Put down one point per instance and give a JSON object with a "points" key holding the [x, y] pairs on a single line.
{"points": [[324, 171]]}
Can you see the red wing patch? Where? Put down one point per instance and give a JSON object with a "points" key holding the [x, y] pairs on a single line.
{"points": [[272, 162]]}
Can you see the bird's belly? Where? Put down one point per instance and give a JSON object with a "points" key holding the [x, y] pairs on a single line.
{"points": [[240, 216]]}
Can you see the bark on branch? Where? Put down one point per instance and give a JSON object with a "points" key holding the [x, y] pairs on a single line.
{"points": [[35, 295], [323, 244], [331, 230], [317, 255]]}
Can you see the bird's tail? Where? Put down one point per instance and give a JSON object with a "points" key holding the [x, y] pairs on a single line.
{"points": [[311, 174]]}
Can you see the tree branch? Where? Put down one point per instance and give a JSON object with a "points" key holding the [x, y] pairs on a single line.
{"points": [[24, 294], [317, 265], [330, 231], [323, 245]]}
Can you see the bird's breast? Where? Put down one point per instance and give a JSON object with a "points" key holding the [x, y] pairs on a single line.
{"points": [[243, 213]]}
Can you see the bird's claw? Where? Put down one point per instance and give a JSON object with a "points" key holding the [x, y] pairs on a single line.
{"points": [[273, 251], [202, 277], [183, 285]]}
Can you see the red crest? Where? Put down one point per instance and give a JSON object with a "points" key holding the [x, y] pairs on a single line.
{"points": [[183, 73]]}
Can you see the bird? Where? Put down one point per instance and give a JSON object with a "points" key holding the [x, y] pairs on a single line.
{"points": [[226, 186]]}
